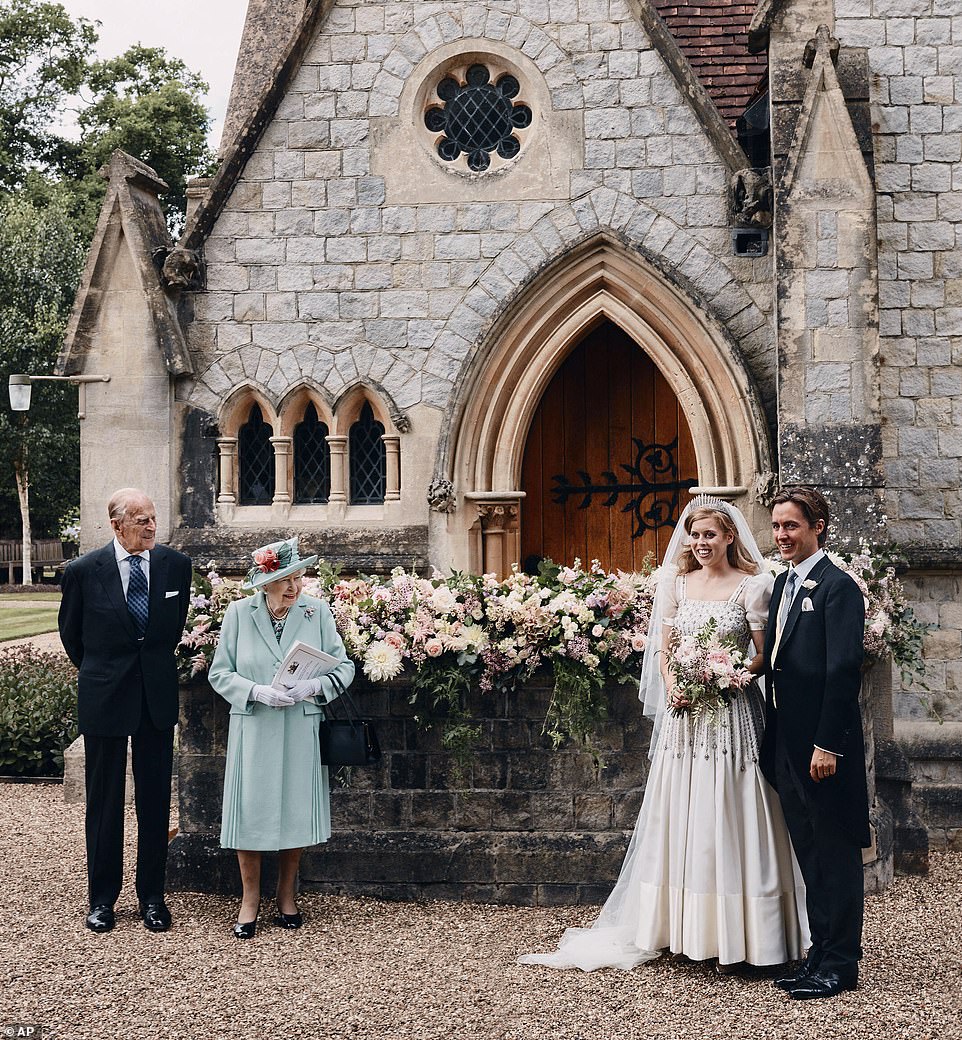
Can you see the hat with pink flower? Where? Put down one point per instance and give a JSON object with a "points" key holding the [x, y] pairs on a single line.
{"points": [[276, 560]]}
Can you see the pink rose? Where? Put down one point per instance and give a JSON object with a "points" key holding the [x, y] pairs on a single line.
{"points": [[434, 648], [266, 560], [393, 639]]}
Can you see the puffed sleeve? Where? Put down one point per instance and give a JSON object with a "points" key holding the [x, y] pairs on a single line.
{"points": [[756, 596], [672, 595]]}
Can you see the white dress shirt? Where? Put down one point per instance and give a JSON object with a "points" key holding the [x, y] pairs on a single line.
{"points": [[123, 564]]}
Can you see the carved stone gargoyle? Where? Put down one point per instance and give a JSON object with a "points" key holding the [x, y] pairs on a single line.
{"points": [[183, 269], [753, 200]]}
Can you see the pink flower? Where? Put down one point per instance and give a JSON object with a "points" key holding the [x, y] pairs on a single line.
{"points": [[639, 642], [395, 640], [434, 648], [266, 560]]}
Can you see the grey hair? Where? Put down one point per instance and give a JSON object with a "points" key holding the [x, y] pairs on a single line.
{"points": [[120, 500]]}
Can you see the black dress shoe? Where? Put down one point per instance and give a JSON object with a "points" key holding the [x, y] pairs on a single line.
{"points": [[807, 968], [823, 984], [100, 918], [289, 920], [245, 931], [156, 916]]}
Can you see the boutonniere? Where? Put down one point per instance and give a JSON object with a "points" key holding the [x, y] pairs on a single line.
{"points": [[309, 613], [809, 584]]}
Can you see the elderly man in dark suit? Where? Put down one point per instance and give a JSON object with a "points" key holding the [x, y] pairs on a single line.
{"points": [[121, 618], [813, 752]]}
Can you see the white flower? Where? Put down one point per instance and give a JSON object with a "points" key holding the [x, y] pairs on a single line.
{"points": [[598, 631], [809, 584], [443, 599], [382, 661]]}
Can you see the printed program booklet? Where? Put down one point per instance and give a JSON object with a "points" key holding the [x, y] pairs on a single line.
{"points": [[303, 662]]}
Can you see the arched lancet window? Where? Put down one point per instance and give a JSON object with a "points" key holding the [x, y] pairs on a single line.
{"points": [[255, 457], [368, 459], [312, 460]]}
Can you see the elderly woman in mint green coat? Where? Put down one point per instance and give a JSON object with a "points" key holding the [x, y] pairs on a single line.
{"points": [[276, 789]]}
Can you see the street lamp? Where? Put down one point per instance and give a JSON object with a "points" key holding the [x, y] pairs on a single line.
{"points": [[19, 389]]}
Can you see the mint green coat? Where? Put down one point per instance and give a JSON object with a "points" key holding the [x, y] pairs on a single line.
{"points": [[276, 790]]}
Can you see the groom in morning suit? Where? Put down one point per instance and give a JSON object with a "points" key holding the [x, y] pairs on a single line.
{"points": [[812, 752], [121, 617]]}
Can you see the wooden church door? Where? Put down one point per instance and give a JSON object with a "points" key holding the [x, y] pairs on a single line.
{"points": [[608, 460]]}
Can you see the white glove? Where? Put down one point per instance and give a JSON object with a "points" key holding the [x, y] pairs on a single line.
{"points": [[303, 688], [271, 697]]}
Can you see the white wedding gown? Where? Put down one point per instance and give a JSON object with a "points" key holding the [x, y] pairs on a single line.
{"points": [[709, 871]]}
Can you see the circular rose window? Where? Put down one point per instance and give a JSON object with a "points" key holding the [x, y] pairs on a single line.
{"points": [[477, 117]]}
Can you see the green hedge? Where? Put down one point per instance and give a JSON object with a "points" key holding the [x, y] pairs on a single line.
{"points": [[38, 711]]}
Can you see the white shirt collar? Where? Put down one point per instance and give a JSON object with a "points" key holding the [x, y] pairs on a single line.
{"points": [[805, 568], [121, 554]]}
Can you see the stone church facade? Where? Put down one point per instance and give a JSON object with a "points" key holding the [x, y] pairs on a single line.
{"points": [[481, 282]]}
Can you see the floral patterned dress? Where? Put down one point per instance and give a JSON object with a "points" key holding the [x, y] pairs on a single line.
{"points": [[710, 871]]}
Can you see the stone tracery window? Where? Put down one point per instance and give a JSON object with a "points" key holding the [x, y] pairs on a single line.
{"points": [[367, 459], [255, 457], [312, 460], [477, 118]]}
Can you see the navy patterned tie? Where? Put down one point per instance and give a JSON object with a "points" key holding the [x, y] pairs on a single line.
{"points": [[137, 595]]}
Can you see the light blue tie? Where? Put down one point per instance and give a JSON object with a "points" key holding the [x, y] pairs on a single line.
{"points": [[137, 595], [787, 596]]}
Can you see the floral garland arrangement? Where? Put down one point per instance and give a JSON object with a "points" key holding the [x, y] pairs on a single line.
{"points": [[451, 633]]}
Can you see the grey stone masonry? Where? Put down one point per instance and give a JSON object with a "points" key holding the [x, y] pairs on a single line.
{"points": [[310, 256]]}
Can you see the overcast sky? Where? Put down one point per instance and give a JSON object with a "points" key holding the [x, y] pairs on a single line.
{"points": [[204, 34]]}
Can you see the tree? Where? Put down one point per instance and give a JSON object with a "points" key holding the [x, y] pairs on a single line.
{"points": [[149, 105], [40, 261], [145, 102], [44, 58]]}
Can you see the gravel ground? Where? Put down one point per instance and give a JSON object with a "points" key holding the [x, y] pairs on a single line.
{"points": [[367, 970]]}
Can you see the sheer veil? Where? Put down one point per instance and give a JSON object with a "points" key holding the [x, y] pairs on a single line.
{"points": [[651, 691]]}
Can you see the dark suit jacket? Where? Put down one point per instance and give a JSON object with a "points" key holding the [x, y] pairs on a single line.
{"points": [[100, 638], [815, 681]]}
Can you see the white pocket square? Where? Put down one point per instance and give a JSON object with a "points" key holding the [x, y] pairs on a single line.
{"points": [[170, 595], [807, 604]]}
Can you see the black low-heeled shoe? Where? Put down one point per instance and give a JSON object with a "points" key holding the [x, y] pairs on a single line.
{"points": [[247, 930], [289, 920]]}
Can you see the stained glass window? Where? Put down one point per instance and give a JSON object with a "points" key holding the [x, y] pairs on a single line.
{"points": [[368, 459], [255, 456], [478, 117], [312, 460]]}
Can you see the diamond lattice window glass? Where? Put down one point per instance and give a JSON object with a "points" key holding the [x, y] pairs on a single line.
{"points": [[368, 459], [255, 457], [312, 460], [478, 117]]}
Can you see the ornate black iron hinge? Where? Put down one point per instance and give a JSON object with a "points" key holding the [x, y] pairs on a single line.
{"points": [[655, 478]]}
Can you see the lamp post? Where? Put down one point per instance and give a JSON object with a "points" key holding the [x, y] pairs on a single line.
{"points": [[19, 387]]}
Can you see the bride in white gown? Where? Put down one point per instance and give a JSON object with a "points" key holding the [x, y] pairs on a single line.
{"points": [[709, 871]]}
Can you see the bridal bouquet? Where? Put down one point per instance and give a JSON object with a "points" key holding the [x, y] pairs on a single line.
{"points": [[707, 671]]}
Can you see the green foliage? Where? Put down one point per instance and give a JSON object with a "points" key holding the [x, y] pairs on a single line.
{"points": [[38, 711], [439, 693], [40, 260], [577, 705], [149, 105], [144, 102], [43, 61]]}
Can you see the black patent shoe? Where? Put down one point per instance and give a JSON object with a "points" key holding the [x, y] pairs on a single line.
{"points": [[156, 916], [248, 929], [808, 967], [823, 984], [289, 920], [100, 918]]}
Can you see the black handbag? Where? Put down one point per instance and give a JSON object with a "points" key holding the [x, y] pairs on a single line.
{"points": [[351, 741]]}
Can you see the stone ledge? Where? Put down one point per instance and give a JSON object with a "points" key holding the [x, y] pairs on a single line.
{"points": [[928, 740]]}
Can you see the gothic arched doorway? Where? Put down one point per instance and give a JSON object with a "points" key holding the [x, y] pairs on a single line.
{"points": [[608, 459]]}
